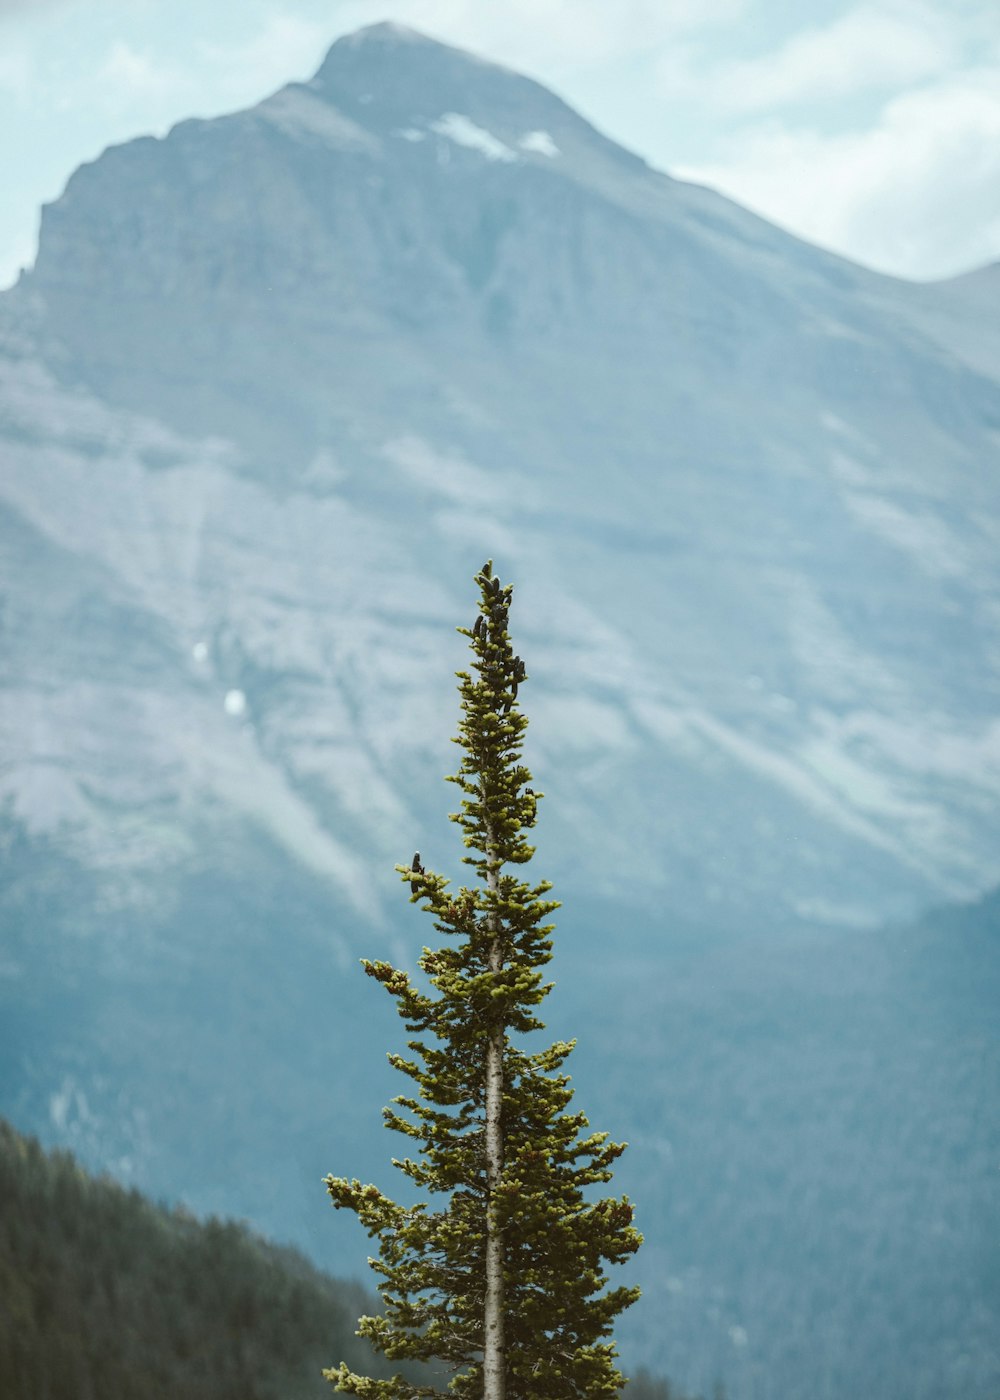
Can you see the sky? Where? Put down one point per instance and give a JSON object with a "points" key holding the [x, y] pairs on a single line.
{"points": [[871, 128]]}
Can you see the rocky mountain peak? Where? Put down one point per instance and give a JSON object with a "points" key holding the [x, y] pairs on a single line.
{"points": [[386, 32], [394, 80]]}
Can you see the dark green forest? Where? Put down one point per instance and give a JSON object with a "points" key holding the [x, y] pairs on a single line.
{"points": [[106, 1296]]}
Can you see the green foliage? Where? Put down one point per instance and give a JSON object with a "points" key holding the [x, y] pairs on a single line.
{"points": [[104, 1296], [534, 1194]]}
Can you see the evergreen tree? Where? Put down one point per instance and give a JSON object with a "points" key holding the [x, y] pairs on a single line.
{"points": [[503, 1280]]}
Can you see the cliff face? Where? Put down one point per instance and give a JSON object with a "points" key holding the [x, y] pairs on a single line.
{"points": [[277, 385]]}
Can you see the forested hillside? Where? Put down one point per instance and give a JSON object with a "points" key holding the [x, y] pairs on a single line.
{"points": [[106, 1296]]}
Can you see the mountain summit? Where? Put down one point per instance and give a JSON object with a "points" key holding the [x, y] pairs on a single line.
{"points": [[276, 385], [397, 82], [759, 481]]}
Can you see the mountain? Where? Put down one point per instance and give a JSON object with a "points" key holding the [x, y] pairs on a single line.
{"points": [[276, 386], [419, 305]]}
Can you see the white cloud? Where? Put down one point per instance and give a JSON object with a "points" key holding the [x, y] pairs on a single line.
{"points": [[131, 74], [286, 48], [463, 132], [16, 72], [917, 193], [868, 48]]}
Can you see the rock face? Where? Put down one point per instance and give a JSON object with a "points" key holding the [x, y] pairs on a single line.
{"points": [[276, 386]]}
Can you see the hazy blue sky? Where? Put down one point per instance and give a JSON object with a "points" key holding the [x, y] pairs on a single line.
{"points": [[872, 128]]}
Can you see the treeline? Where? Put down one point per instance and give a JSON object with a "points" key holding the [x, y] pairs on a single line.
{"points": [[105, 1296]]}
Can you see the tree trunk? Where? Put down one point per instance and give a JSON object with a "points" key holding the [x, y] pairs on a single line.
{"points": [[494, 1363]]}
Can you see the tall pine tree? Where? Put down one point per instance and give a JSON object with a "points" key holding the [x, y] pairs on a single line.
{"points": [[500, 1277]]}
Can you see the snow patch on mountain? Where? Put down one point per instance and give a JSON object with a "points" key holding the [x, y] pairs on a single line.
{"points": [[919, 745], [464, 132], [812, 789], [862, 796], [539, 143]]}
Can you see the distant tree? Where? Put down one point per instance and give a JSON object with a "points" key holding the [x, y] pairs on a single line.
{"points": [[502, 1280]]}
